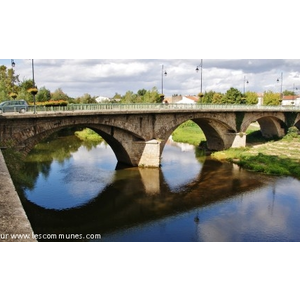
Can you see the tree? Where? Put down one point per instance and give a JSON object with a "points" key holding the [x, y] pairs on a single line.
{"points": [[43, 95], [117, 96], [151, 96], [23, 90], [59, 95], [251, 98], [86, 98], [8, 82], [271, 98], [142, 92], [233, 96], [288, 93], [217, 98], [207, 97], [129, 97], [142, 96]]}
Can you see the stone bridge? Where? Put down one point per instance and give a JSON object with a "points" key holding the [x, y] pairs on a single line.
{"points": [[138, 136]]}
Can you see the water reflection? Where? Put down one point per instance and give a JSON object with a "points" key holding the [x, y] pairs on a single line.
{"points": [[76, 181], [267, 214], [187, 168], [189, 199]]}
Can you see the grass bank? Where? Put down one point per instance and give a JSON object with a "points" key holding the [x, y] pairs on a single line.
{"points": [[88, 134], [190, 133], [281, 157]]}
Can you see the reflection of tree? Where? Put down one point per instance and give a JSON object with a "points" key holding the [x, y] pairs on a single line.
{"points": [[200, 154], [57, 147]]}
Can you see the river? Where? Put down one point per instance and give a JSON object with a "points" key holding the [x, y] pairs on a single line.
{"points": [[71, 191]]}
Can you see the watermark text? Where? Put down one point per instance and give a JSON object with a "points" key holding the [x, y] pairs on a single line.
{"points": [[50, 236]]}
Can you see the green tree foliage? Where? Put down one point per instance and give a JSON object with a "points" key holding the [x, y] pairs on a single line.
{"points": [[59, 95], [251, 98], [8, 82], [151, 96], [43, 95], [142, 96], [86, 99], [233, 96], [208, 97], [129, 97], [217, 98], [117, 96], [288, 93], [141, 92], [271, 98], [23, 90]]}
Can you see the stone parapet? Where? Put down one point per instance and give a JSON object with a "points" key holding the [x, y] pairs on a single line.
{"points": [[14, 224]]}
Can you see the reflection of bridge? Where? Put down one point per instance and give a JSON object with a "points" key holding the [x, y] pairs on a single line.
{"points": [[146, 197], [137, 133]]}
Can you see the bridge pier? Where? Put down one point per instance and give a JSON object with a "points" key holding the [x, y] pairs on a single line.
{"points": [[239, 140], [151, 154]]}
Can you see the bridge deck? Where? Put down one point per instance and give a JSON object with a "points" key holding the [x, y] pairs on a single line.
{"points": [[113, 108]]}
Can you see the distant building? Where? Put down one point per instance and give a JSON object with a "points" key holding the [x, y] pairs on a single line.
{"points": [[291, 100], [286, 100], [102, 99], [182, 99], [193, 98]]}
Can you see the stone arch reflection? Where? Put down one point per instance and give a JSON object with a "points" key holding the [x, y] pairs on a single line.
{"points": [[142, 195]]}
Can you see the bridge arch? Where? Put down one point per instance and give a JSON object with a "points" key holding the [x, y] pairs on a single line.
{"points": [[270, 125], [219, 134], [118, 139]]}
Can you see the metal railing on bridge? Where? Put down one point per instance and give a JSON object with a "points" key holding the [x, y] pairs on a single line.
{"points": [[159, 107]]}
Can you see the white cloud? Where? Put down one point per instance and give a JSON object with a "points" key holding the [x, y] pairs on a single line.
{"points": [[105, 77]]}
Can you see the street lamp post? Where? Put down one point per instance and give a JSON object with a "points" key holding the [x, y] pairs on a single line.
{"points": [[197, 70], [281, 82], [13, 94], [34, 90], [163, 73], [245, 81], [32, 67]]}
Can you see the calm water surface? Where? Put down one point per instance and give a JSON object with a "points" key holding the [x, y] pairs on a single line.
{"points": [[79, 196]]}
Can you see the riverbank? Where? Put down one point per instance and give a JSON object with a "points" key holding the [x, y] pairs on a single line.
{"points": [[280, 157]]}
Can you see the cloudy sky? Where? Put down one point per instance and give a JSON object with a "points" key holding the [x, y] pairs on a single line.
{"points": [[105, 77]]}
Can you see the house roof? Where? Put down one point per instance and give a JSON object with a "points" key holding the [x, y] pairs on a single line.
{"points": [[289, 97], [194, 98]]}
